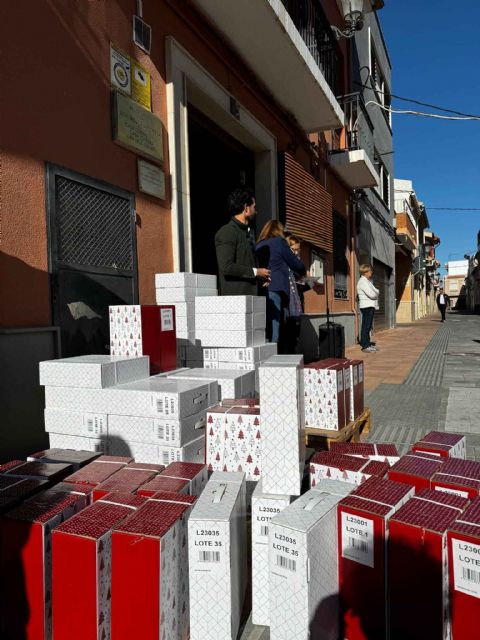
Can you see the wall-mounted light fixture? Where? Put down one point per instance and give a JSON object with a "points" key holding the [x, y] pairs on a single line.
{"points": [[353, 12]]}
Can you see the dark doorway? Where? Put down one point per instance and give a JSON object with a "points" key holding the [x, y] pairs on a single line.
{"points": [[92, 254], [218, 164]]}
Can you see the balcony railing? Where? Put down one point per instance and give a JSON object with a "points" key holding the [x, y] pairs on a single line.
{"points": [[358, 132], [310, 21]]}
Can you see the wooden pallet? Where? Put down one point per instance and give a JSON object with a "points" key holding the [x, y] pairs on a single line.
{"points": [[322, 438]]}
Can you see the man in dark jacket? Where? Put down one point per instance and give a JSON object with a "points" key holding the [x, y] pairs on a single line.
{"points": [[443, 303], [235, 247]]}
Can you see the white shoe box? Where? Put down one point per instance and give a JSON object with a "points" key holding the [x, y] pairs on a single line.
{"points": [[264, 507], [157, 431], [235, 366], [230, 322], [247, 354], [154, 397], [78, 443], [182, 294], [283, 455], [231, 305], [157, 454], [183, 279], [185, 324], [231, 338], [93, 371], [303, 562], [231, 383], [217, 558], [75, 423]]}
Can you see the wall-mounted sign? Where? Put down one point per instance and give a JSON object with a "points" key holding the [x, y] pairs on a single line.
{"points": [[136, 128], [151, 179], [129, 77]]}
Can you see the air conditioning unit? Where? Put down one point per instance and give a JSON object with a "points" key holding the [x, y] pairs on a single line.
{"points": [[142, 32]]}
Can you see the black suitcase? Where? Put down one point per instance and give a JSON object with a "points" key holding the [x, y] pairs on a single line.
{"points": [[331, 341]]}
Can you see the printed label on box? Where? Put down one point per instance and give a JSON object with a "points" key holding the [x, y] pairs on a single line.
{"points": [[286, 554], [466, 567], [357, 539], [95, 424], [209, 550], [264, 514], [360, 372], [456, 492], [166, 319]]}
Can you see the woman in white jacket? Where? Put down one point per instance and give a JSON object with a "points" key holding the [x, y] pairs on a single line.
{"points": [[368, 302]]}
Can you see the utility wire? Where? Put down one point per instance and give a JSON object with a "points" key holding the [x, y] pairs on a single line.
{"points": [[420, 113], [413, 101]]}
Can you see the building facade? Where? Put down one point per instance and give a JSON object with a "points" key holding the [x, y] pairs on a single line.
{"points": [[472, 281], [454, 282], [126, 154]]}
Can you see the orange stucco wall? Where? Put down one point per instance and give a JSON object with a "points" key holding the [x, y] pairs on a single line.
{"points": [[55, 107]]}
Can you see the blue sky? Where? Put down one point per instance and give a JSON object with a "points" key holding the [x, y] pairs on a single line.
{"points": [[435, 50]]}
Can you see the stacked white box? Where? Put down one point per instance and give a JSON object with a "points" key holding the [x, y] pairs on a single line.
{"points": [[93, 371], [303, 567], [193, 451], [181, 289], [264, 507], [78, 443], [157, 431], [283, 454], [217, 558], [245, 355], [231, 383]]}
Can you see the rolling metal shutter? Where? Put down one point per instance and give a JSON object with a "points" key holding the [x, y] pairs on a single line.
{"points": [[380, 280], [308, 206]]}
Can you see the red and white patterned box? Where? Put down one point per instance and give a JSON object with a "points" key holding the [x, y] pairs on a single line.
{"points": [[415, 469], [162, 483], [458, 476], [150, 552], [367, 450], [463, 540], [234, 440], [363, 519], [27, 562], [335, 466], [440, 443], [418, 565], [97, 472], [327, 395], [81, 568], [127, 480], [147, 330], [196, 474]]}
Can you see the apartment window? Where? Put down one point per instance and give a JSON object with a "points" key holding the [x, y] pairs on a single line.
{"points": [[383, 188], [380, 86], [340, 262]]}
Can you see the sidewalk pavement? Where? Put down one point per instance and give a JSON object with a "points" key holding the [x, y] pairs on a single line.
{"points": [[400, 349]]}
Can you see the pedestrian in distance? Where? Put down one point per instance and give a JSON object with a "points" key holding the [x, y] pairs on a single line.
{"points": [[443, 303], [235, 247], [274, 254], [368, 296]]}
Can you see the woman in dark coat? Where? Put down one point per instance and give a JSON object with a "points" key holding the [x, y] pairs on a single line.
{"points": [[273, 253]]}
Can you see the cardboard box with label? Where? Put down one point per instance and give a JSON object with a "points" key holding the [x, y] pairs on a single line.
{"points": [[363, 518], [368, 451], [264, 507], [26, 562], [150, 552], [335, 466], [418, 565], [81, 568], [303, 563], [247, 355], [147, 330], [217, 558], [463, 539], [93, 371], [195, 473], [327, 395], [159, 431], [231, 384], [282, 407], [458, 476], [416, 469], [445, 445], [234, 440], [75, 423], [193, 451]]}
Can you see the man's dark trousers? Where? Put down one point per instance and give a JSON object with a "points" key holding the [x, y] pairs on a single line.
{"points": [[443, 308]]}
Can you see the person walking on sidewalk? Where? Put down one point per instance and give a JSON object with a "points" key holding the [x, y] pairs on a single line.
{"points": [[235, 248], [368, 302], [443, 303]]}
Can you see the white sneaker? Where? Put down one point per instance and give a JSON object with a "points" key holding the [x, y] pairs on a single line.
{"points": [[369, 350]]}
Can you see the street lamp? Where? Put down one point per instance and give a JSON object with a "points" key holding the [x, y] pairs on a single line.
{"points": [[353, 12]]}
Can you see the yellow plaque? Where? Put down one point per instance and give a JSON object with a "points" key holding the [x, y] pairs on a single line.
{"points": [[136, 128], [141, 85]]}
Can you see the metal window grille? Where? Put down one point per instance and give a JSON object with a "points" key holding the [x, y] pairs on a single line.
{"points": [[93, 227]]}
